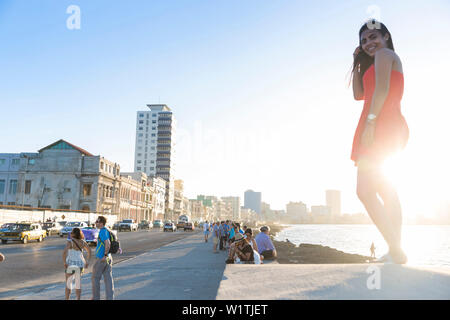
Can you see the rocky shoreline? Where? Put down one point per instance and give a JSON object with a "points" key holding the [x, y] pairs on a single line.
{"points": [[289, 253]]}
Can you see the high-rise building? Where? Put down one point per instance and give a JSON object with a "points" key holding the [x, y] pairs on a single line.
{"points": [[333, 198], [297, 212], [252, 200], [154, 151], [235, 203]]}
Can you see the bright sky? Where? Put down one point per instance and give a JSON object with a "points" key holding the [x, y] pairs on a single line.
{"points": [[259, 89]]}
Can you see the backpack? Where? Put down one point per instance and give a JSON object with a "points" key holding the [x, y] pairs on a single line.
{"points": [[115, 244]]}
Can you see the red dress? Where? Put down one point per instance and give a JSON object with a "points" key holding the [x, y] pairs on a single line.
{"points": [[391, 130]]}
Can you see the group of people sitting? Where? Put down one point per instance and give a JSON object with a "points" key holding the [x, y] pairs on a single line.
{"points": [[242, 245]]}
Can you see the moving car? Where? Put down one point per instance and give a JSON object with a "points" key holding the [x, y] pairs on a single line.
{"points": [[180, 224], [53, 227], [189, 226], [144, 224], [128, 224], [90, 235], [6, 226], [24, 232], [169, 226], [70, 225], [158, 224]]}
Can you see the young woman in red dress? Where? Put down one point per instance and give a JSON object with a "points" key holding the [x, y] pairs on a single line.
{"points": [[381, 131]]}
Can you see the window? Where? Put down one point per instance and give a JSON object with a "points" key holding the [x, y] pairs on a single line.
{"points": [[87, 188], [139, 154], [2, 186], [153, 121], [2, 161], [31, 161], [102, 165], [141, 121], [138, 168], [141, 135], [153, 148], [139, 161], [141, 128], [27, 186], [154, 115], [152, 161], [12, 186], [153, 134], [15, 162], [141, 115]]}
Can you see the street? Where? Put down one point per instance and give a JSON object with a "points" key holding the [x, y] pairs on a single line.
{"points": [[35, 266]]}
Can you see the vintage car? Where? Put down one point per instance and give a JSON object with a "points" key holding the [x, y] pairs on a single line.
{"points": [[158, 224], [90, 235], [6, 226], [70, 225], [169, 226], [53, 227], [180, 224], [144, 224], [23, 231], [189, 226]]}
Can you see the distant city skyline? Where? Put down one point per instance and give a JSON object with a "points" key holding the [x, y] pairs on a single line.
{"points": [[259, 89]]}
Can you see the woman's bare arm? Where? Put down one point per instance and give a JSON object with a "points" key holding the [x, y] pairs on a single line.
{"points": [[384, 58]]}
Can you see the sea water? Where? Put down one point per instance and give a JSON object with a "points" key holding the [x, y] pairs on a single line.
{"points": [[425, 245]]}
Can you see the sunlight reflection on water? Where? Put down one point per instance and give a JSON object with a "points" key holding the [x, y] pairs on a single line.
{"points": [[424, 245]]}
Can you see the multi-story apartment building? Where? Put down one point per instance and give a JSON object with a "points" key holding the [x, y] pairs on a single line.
{"points": [[297, 212], [155, 148], [9, 177], [64, 176], [333, 200], [235, 204], [159, 198]]}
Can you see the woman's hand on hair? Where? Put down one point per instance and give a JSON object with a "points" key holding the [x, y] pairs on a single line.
{"points": [[357, 51]]}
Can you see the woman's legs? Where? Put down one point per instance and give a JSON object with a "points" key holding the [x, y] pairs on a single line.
{"points": [[371, 182], [68, 291]]}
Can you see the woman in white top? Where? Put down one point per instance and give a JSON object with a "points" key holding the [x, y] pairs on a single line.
{"points": [[73, 257], [249, 236]]}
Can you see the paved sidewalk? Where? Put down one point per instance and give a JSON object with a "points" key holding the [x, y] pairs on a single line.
{"points": [[188, 270]]}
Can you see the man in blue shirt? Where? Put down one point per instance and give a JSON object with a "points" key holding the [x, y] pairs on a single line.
{"points": [[265, 245], [103, 262]]}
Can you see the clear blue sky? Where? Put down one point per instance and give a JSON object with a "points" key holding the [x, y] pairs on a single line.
{"points": [[259, 88]]}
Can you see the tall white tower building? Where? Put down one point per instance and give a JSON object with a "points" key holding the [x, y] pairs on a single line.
{"points": [[333, 198], [155, 148]]}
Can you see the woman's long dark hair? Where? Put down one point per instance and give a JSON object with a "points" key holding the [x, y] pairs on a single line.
{"points": [[362, 60], [77, 234]]}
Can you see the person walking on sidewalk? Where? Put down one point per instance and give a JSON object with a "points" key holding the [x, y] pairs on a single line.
{"points": [[73, 258], [103, 263], [206, 230], [216, 236]]}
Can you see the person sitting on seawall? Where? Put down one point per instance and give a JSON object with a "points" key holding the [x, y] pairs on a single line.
{"points": [[265, 246], [241, 251], [249, 237]]}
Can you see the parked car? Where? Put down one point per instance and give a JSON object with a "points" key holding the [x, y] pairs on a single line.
{"points": [[24, 232], [70, 225], [144, 224], [189, 226], [128, 224], [170, 226], [158, 224], [116, 226]]}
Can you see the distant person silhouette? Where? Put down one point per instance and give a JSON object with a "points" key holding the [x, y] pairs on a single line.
{"points": [[372, 251]]}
